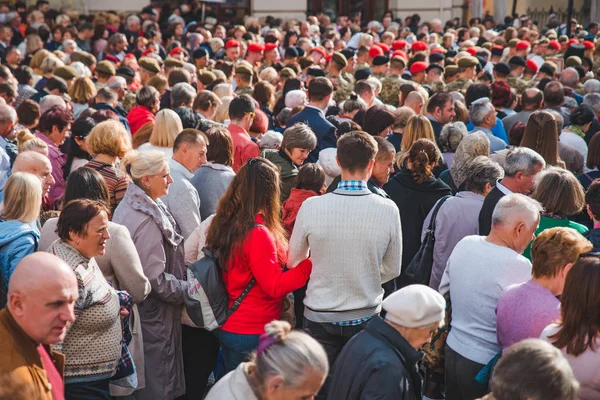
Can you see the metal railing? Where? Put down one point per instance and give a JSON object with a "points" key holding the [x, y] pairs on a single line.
{"points": [[541, 16]]}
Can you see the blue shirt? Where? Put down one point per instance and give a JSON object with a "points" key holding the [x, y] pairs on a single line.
{"points": [[352, 185], [495, 143], [497, 130]]}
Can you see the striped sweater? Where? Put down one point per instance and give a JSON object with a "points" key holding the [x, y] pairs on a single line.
{"points": [[92, 346], [117, 183]]}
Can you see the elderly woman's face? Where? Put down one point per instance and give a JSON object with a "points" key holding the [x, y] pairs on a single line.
{"points": [[418, 337], [308, 389], [92, 243], [157, 185]]}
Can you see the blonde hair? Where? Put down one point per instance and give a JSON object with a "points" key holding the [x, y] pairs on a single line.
{"points": [[223, 90], [82, 90], [50, 63], [109, 137], [292, 355], [554, 248], [38, 57], [138, 164], [158, 82], [167, 126], [403, 114], [222, 111], [27, 141], [365, 40], [417, 127], [22, 198]]}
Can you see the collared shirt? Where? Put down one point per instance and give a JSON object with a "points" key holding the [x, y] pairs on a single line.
{"points": [[352, 185], [4, 163], [503, 188], [183, 201], [353, 322], [175, 166]]}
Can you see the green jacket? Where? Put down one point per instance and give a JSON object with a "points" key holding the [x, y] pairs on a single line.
{"points": [[547, 223], [287, 170]]}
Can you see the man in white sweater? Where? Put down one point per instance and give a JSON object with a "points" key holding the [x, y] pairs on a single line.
{"points": [[355, 242], [478, 270]]}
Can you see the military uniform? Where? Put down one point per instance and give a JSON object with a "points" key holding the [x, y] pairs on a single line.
{"points": [[579, 89], [361, 65], [129, 101], [348, 77], [437, 86], [390, 87], [240, 90], [596, 66], [264, 66], [459, 85], [381, 77], [343, 88], [517, 83]]}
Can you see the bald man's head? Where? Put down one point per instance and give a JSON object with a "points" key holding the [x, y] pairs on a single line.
{"points": [[41, 297], [415, 101], [37, 164], [532, 99]]}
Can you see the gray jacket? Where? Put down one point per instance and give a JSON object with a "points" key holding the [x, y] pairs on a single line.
{"points": [[160, 247], [182, 201], [211, 181], [458, 217]]}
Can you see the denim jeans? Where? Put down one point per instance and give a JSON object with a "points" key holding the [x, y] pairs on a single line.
{"points": [[236, 348], [96, 390], [332, 338]]}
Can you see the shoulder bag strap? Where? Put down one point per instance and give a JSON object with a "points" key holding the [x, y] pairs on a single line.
{"points": [[435, 213]]}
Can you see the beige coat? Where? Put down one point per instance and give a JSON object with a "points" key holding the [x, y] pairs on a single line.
{"points": [[121, 266]]}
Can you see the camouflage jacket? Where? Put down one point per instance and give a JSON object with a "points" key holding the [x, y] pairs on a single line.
{"points": [[437, 86], [517, 83], [240, 90], [343, 88], [349, 77], [459, 85], [596, 66], [128, 102], [381, 77], [361, 65], [390, 87]]}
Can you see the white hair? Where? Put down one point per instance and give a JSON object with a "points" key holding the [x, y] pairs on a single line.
{"points": [[50, 101], [593, 100], [7, 114], [514, 206], [592, 86], [295, 98], [116, 82], [522, 159], [81, 69], [271, 140], [69, 43], [480, 108], [132, 18]]}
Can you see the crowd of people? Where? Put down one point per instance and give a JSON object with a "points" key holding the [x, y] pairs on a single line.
{"points": [[394, 209]]}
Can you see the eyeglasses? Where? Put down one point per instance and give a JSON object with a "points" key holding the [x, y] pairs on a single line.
{"points": [[252, 114], [329, 48], [252, 161]]}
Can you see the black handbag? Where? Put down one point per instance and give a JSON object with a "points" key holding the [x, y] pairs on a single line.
{"points": [[419, 269]]}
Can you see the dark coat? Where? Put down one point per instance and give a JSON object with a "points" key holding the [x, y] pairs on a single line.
{"points": [[323, 129], [485, 215], [594, 128], [593, 235], [437, 130], [414, 201], [377, 363], [122, 116]]}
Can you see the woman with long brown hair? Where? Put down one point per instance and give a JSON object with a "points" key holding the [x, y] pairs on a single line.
{"points": [[577, 334], [419, 127], [541, 135], [248, 234]]}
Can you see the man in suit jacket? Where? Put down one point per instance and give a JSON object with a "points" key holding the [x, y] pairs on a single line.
{"points": [[593, 100], [440, 111], [520, 168], [320, 91]]}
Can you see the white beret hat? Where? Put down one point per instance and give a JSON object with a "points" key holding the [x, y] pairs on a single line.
{"points": [[415, 306]]}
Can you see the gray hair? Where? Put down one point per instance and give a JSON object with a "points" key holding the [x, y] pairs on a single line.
{"points": [[570, 103], [295, 98], [132, 18], [271, 140], [480, 172], [592, 86], [480, 108], [191, 68], [7, 114], [146, 96], [592, 100], [569, 77], [457, 96], [50, 63], [182, 94], [516, 205], [291, 356], [116, 82], [451, 136], [560, 119], [116, 38], [106, 95], [534, 369], [299, 136], [522, 159], [69, 43], [47, 102]]}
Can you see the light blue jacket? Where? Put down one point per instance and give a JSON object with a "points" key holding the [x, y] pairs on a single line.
{"points": [[17, 240]]}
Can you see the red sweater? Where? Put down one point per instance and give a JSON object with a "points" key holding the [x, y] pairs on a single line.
{"points": [[292, 205], [263, 303]]}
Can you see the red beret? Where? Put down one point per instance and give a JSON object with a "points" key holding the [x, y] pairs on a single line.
{"points": [[472, 51], [400, 53], [111, 58], [255, 48], [146, 52], [522, 45], [588, 44], [176, 50], [318, 50], [232, 43], [437, 50], [572, 41], [399, 45], [554, 44], [419, 46], [328, 58], [375, 51], [270, 46], [129, 55], [384, 47], [418, 66], [531, 65]]}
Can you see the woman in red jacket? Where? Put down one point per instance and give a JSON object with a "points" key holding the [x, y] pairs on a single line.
{"points": [[248, 233], [147, 103]]}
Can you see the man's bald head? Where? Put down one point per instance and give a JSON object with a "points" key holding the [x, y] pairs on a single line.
{"points": [[532, 99], [37, 164], [415, 101], [41, 297]]}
